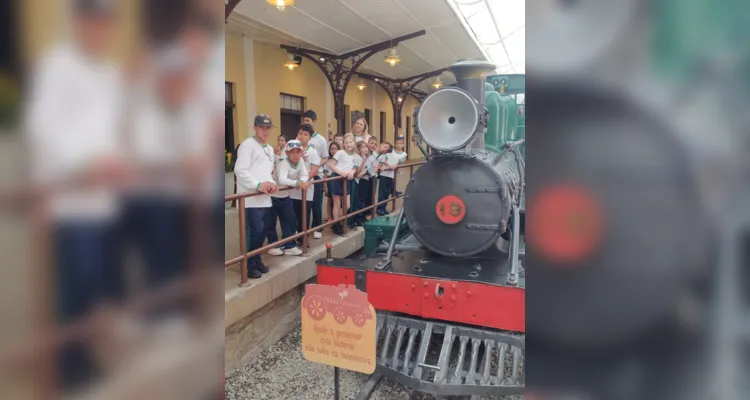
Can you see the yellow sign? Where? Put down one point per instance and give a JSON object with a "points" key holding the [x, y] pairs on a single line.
{"points": [[338, 327]]}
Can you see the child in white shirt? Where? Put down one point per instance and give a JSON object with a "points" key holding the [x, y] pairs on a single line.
{"points": [[254, 171], [312, 160], [333, 148], [364, 185], [292, 173], [271, 232], [342, 164], [399, 150], [401, 155], [386, 165]]}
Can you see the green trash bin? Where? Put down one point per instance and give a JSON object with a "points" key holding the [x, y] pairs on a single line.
{"points": [[379, 229]]}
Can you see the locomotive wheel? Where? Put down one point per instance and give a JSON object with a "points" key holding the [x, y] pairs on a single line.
{"points": [[316, 308], [358, 319], [338, 315]]}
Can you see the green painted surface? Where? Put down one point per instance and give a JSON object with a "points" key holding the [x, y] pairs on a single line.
{"points": [[507, 121], [379, 229]]}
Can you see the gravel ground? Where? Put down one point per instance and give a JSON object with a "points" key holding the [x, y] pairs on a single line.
{"points": [[282, 373]]}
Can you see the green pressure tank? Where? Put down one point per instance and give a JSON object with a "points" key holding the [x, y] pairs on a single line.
{"points": [[503, 122]]}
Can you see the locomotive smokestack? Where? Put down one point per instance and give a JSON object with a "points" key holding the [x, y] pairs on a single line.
{"points": [[471, 76]]}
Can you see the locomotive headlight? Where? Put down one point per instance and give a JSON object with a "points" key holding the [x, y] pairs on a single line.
{"points": [[449, 119]]}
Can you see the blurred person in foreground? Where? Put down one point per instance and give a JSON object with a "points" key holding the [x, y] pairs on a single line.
{"points": [[74, 118], [171, 132]]}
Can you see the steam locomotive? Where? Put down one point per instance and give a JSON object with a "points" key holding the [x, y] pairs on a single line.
{"points": [[449, 288]]}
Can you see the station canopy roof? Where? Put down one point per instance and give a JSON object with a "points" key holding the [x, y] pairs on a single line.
{"points": [[491, 30]]}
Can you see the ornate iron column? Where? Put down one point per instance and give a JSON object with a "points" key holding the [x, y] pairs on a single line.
{"points": [[399, 89], [339, 69]]}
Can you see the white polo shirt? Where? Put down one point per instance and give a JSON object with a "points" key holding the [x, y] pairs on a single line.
{"points": [[290, 174], [344, 161], [277, 160], [400, 156], [369, 165], [254, 166], [311, 158], [319, 143], [390, 159]]}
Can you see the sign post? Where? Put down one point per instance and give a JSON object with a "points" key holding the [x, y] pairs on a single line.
{"points": [[338, 329]]}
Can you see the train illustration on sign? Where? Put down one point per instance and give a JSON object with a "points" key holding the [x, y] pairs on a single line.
{"points": [[346, 304]]}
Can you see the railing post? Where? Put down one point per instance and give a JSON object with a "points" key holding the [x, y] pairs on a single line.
{"points": [[344, 207], [374, 210], [47, 379], [304, 221], [393, 193], [243, 244]]}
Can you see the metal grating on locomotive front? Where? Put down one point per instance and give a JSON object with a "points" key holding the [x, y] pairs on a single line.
{"points": [[444, 359]]}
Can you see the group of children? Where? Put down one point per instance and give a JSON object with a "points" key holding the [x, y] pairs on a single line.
{"points": [[282, 174], [360, 159]]}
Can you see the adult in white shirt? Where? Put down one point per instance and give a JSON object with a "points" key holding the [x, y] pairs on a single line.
{"points": [[73, 126], [319, 143], [254, 171]]}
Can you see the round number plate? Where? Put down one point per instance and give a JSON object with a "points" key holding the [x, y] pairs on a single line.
{"points": [[450, 209]]}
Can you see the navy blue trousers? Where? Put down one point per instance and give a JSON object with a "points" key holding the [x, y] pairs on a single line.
{"points": [[87, 272], [317, 204], [364, 197], [384, 191], [159, 228], [255, 232], [281, 210]]}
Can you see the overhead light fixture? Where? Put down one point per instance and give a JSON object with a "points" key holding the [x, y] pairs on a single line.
{"points": [[438, 83], [322, 59], [281, 5], [400, 99], [361, 85], [291, 63], [393, 58]]}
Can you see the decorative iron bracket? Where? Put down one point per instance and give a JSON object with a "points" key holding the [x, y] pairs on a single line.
{"points": [[339, 69], [399, 89]]}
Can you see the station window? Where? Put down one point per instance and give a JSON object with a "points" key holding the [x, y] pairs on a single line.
{"points": [[291, 102]]}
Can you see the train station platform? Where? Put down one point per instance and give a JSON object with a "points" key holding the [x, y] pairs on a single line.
{"points": [[259, 314]]}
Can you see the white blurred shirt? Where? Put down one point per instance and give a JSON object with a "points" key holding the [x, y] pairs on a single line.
{"points": [[164, 138], [74, 117]]}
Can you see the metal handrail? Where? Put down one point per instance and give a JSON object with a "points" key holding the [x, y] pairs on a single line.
{"points": [[40, 347], [240, 197]]}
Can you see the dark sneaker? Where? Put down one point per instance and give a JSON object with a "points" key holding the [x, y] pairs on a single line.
{"points": [[261, 267], [252, 272]]}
